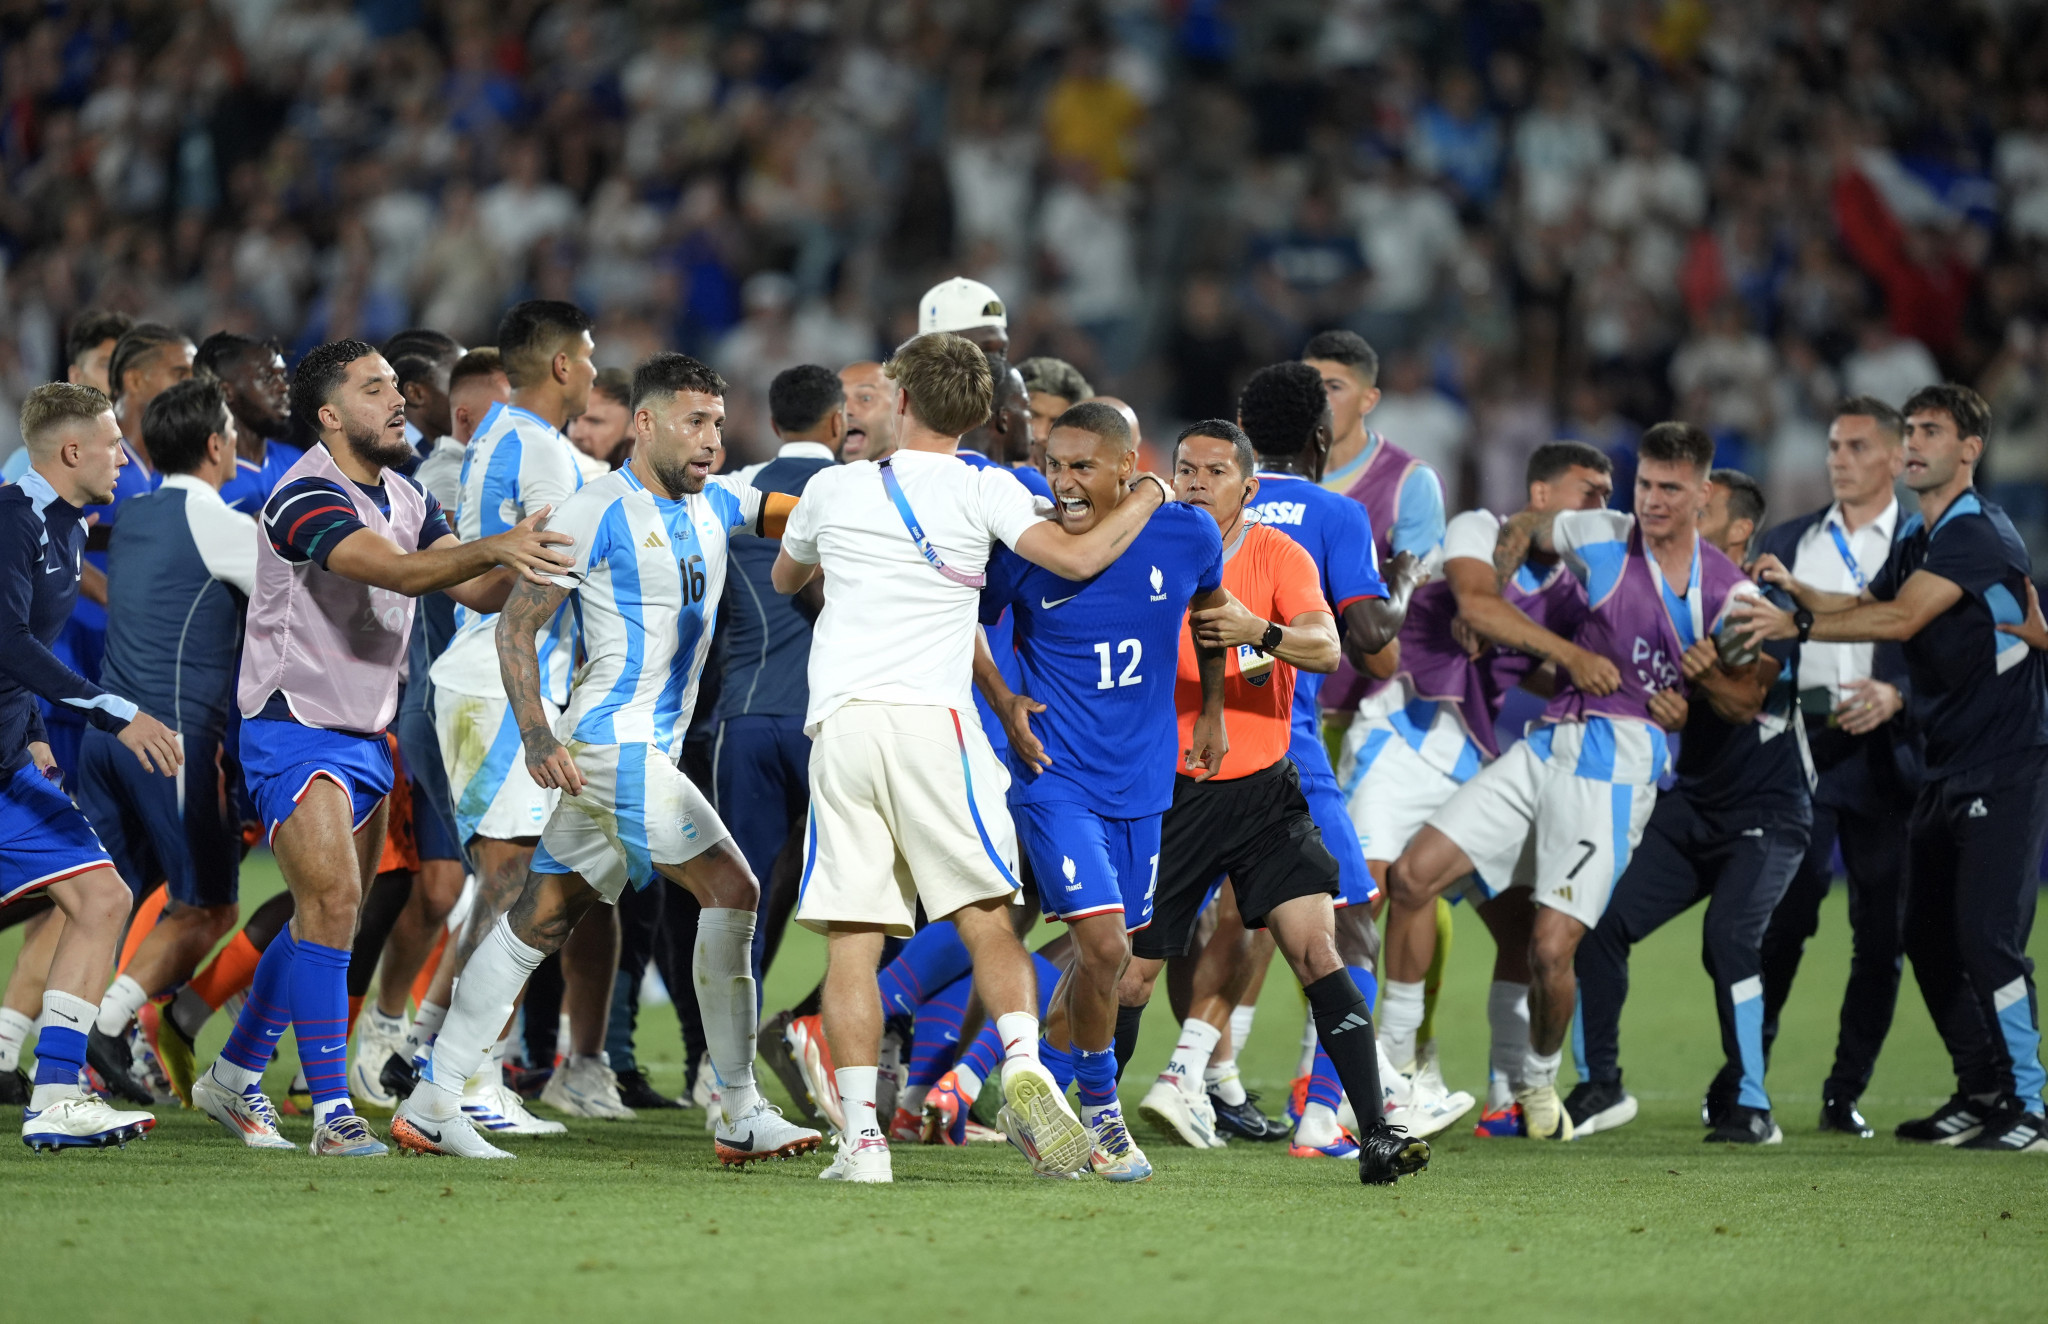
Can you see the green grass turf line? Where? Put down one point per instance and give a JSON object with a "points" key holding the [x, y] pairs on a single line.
{"points": [[636, 1219]]}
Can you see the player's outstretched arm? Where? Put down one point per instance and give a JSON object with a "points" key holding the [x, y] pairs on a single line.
{"points": [[1370, 624], [1921, 598], [526, 550], [1768, 569], [1208, 741], [526, 614], [1086, 555], [1477, 589]]}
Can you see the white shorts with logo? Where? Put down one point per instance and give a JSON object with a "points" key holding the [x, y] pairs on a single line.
{"points": [[1577, 832], [636, 810], [486, 762], [907, 804], [1389, 788]]}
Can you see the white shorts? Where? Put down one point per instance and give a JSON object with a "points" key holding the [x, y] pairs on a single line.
{"points": [[1579, 833], [636, 810], [906, 804], [1389, 789], [486, 763]]}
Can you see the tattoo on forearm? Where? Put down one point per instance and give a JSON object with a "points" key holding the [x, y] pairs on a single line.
{"points": [[1511, 546], [526, 612]]}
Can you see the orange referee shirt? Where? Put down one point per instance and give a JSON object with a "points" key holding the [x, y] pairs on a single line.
{"points": [[1273, 577]]}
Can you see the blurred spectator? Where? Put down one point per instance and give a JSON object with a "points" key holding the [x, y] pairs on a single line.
{"points": [[1419, 418], [1887, 365], [1408, 231], [1208, 355]]}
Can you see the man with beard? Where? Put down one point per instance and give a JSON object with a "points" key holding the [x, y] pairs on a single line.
{"points": [[252, 378], [349, 544]]}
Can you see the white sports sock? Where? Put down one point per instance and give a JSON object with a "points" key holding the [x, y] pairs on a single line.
{"points": [[1307, 1061], [856, 1101], [1018, 1031], [1190, 1057], [1539, 1069], [425, 1026], [391, 1027], [325, 1112], [14, 1032], [1241, 1028], [118, 1007], [968, 1083], [724, 975], [1400, 1021], [1223, 1080], [236, 1078], [1318, 1126], [490, 983], [1507, 1013]]}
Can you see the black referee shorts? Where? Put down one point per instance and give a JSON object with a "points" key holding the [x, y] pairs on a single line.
{"points": [[1257, 830]]}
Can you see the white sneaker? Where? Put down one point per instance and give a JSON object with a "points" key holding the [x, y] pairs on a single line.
{"points": [[83, 1121], [250, 1117], [1543, 1113], [374, 1048], [762, 1133], [416, 1133], [866, 1161], [1170, 1110], [1205, 1108], [1430, 1107], [1035, 1117], [1116, 1157], [491, 1105], [346, 1135], [586, 1087]]}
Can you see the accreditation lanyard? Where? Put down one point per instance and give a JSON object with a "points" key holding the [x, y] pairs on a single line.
{"points": [[917, 535], [1848, 558], [1691, 622]]}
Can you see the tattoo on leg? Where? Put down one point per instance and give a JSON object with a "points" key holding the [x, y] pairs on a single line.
{"points": [[543, 932]]}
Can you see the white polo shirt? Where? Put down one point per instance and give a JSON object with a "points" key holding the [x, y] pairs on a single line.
{"points": [[895, 630], [1819, 561]]}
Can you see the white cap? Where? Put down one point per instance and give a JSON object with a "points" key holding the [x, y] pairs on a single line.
{"points": [[960, 304]]}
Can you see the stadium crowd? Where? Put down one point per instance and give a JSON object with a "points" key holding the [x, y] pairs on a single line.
{"points": [[434, 422]]}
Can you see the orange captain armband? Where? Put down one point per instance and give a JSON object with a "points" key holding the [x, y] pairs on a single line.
{"points": [[775, 510]]}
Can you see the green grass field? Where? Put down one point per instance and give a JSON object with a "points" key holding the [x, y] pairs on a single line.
{"points": [[637, 1220]]}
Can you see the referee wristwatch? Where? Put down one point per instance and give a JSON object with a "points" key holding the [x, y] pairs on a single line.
{"points": [[1270, 640], [1802, 619]]}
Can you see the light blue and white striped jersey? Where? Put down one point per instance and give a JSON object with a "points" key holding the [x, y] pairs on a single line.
{"points": [[647, 579], [515, 464]]}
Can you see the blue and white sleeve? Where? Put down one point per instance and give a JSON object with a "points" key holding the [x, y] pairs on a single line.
{"points": [[1419, 528]]}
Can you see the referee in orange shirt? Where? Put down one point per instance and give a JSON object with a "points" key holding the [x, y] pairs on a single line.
{"points": [[1250, 821]]}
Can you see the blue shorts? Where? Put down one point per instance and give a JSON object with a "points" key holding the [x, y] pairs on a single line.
{"points": [[177, 829], [43, 837], [1327, 806], [1090, 865], [433, 809], [282, 759]]}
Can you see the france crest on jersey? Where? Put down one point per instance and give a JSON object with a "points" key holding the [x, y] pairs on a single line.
{"points": [[1102, 657], [648, 575], [516, 463], [1337, 534]]}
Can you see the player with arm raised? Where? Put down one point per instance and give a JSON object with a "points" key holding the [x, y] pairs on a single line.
{"points": [[348, 543]]}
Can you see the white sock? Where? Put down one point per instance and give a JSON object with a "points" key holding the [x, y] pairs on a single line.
{"points": [[1241, 1028], [1400, 1021], [1507, 1013], [856, 1100], [490, 983], [118, 1007], [325, 1112], [237, 1079], [1190, 1057], [1318, 1126], [391, 1027], [1223, 1080], [14, 1032], [1306, 1063], [968, 1083], [425, 1026], [724, 975], [1539, 1069], [1018, 1031], [910, 1099]]}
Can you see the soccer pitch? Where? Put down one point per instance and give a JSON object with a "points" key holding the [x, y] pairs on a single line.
{"points": [[637, 1220]]}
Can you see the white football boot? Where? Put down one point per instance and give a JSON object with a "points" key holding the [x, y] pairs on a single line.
{"points": [[250, 1116], [585, 1087], [82, 1121]]}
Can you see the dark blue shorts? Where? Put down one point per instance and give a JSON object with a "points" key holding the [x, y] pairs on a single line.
{"points": [[281, 760], [1090, 865], [433, 809], [43, 837], [1327, 806], [177, 829]]}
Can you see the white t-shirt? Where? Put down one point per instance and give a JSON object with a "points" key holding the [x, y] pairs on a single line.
{"points": [[895, 630]]}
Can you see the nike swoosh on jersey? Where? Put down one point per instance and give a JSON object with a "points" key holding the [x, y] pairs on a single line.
{"points": [[1047, 604]]}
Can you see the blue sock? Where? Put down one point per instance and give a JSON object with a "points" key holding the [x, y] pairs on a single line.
{"points": [[930, 961], [985, 1055], [935, 1042], [60, 1040], [1059, 1062], [1367, 985], [253, 1041], [319, 1000], [1322, 1081], [1095, 1073]]}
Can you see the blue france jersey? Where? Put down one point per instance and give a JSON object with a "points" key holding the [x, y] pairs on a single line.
{"points": [[1337, 534], [1102, 657]]}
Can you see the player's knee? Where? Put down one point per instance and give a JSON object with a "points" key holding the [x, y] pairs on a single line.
{"points": [[1103, 948], [97, 901], [1551, 952], [1405, 885], [218, 921]]}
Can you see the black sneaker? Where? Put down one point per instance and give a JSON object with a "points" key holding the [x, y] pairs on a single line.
{"points": [[1960, 1119], [1720, 1097], [1599, 1105], [1387, 1153], [2011, 1133], [398, 1076], [1746, 1126], [1838, 1113], [773, 1044], [1245, 1119], [635, 1092], [110, 1055], [15, 1088]]}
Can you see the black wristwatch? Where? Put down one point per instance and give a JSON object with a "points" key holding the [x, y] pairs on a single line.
{"points": [[1803, 618], [1271, 639]]}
